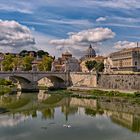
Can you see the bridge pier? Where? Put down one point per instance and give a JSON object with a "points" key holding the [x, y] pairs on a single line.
{"points": [[29, 87]]}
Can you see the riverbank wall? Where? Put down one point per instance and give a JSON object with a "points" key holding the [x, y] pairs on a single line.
{"points": [[115, 81], [119, 81]]}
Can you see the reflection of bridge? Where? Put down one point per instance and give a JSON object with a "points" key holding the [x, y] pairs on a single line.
{"points": [[29, 80]]}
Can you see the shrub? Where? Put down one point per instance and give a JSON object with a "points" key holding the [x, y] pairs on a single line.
{"points": [[5, 82], [137, 94]]}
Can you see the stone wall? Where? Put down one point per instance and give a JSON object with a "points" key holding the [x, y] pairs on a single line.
{"points": [[83, 79], [119, 81]]}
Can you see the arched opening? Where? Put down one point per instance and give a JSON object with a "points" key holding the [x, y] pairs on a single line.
{"points": [[51, 82], [24, 84], [19, 81]]}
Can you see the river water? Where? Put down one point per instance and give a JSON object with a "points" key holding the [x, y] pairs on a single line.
{"points": [[57, 117]]}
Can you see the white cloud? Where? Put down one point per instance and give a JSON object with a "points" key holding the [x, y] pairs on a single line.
{"points": [[124, 4], [71, 21], [86, 36], [14, 36], [16, 6], [76, 43], [26, 6], [125, 44], [43, 43], [126, 19], [100, 19], [121, 25]]}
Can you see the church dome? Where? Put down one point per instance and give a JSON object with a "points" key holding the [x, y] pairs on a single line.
{"points": [[67, 54], [90, 52]]}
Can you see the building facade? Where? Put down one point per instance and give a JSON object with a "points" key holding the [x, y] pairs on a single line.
{"points": [[66, 63], [125, 60]]}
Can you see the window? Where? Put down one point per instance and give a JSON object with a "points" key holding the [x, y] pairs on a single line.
{"points": [[135, 63]]}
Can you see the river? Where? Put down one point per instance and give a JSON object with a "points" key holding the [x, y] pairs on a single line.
{"points": [[57, 117]]}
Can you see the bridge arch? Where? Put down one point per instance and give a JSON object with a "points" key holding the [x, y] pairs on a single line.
{"points": [[23, 83], [20, 79], [52, 81]]}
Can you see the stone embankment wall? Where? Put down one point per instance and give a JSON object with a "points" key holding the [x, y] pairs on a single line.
{"points": [[83, 79], [106, 81], [119, 81]]}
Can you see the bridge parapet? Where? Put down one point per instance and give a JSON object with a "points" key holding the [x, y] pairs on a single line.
{"points": [[29, 79]]}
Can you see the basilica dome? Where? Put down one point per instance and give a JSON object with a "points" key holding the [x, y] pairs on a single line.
{"points": [[90, 52]]}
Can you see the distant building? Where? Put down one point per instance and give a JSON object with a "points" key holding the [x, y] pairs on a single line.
{"points": [[90, 55], [72, 64], [1, 59], [35, 64], [32, 53], [66, 63], [125, 60], [108, 64]]}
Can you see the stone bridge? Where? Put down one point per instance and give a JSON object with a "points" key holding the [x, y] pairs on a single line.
{"points": [[29, 80]]}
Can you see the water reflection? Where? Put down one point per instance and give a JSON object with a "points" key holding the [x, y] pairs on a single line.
{"points": [[48, 113], [18, 94], [12, 120], [120, 111], [42, 95]]}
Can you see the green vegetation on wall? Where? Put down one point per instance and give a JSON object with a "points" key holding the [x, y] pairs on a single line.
{"points": [[94, 65]]}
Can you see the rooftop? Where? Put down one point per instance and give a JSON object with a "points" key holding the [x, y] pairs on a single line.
{"points": [[126, 50], [90, 52]]}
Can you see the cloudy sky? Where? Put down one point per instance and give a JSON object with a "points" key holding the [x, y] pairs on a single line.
{"points": [[60, 25]]}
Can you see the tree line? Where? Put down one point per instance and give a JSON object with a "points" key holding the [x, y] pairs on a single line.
{"points": [[24, 61]]}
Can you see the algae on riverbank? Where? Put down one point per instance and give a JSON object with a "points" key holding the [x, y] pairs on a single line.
{"points": [[114, 93], [5, 90]]}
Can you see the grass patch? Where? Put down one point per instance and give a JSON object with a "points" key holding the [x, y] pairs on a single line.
{"points": [[81, 96], [114, 93], [5, 90], [61, 92]]}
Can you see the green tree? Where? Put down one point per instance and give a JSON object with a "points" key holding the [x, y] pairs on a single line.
{"points": [[27, 63], [5, 82], [46, 63], [90, 64], [99, 66], [17, 62], [23, 53], [41, 53], [7, 63]]}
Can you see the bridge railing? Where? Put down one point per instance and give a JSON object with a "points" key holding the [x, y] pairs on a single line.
{"points": [[30, 72]]}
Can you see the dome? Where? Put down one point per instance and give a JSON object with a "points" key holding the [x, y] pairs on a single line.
{"points": [[90, 52], [67, 54]]}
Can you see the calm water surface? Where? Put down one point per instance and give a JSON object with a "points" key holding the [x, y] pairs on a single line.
{"points": [[54, 117]]}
